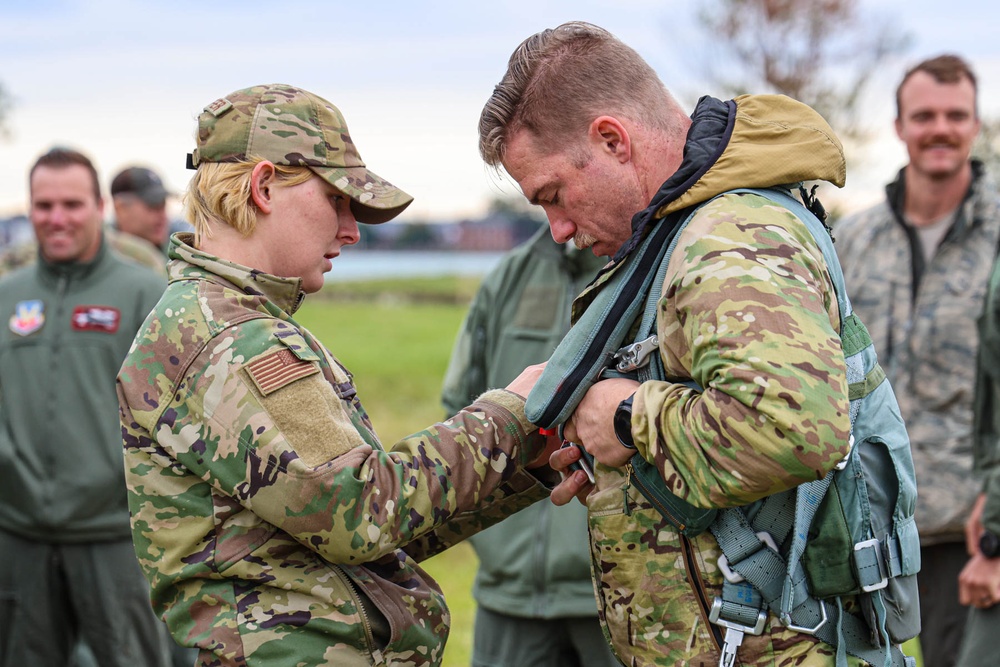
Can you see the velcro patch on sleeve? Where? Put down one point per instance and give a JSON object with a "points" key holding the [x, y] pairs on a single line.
{"points": [[277, 370]]}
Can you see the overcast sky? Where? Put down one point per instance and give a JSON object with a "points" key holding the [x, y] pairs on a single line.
{"points": [[124, 81]]}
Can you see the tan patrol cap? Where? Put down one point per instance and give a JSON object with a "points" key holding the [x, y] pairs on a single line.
{"points": [[290, 126]]}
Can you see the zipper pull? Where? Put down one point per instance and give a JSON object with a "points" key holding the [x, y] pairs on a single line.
{"points": [[628, 483]]}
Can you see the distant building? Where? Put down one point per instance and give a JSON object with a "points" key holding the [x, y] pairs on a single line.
{"points": [[15, 231], [495, 232]]}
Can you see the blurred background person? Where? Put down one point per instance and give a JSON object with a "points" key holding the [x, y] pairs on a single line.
{"points": [[917, 266], [69, 569]]}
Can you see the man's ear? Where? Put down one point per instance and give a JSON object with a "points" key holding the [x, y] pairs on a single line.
{"points": [[611, 137], [261, 182]]}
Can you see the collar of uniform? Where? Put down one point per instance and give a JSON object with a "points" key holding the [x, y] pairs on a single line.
{"points": [[187, 263], [56, 271]]}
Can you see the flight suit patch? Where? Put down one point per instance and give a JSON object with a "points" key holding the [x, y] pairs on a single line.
{"points": [[96, 318], [28, 317]]}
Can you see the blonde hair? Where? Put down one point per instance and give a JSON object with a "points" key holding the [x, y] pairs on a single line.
{"points": [[219, 192]]}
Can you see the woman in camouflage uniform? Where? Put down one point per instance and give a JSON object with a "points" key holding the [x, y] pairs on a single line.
{"points": [[273, 526]]}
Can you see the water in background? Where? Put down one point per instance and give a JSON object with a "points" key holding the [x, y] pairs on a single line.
{"points": [[368, 264]]}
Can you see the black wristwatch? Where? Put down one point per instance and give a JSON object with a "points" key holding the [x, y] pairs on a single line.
{"points": [[989, 544], [623, 423]]}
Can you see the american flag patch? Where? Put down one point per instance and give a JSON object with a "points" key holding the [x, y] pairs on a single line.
{"points": [[277, 369]]}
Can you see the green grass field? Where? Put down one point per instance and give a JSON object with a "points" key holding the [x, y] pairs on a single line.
{"points": [[398, 349], [398, 353]]}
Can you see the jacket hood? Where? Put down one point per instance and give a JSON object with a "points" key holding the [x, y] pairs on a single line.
{"points": [[753, 141]]}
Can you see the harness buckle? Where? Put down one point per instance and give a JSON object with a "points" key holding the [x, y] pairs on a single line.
{"points": [[715, 617], [883, 579], [786, 620], [734, 632], [635, 356], [731, 575]]}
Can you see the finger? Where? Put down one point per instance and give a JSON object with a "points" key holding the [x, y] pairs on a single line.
{"points": [[569, 431], [562, 458], [571, 487]]}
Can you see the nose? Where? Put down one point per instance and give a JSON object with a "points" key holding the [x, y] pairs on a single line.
{"points": [[57, 215], [562, 229], [349, 233], [941, 124]]}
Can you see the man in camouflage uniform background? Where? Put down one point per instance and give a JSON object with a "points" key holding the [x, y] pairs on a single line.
{"points": [[140, 203], [272, 525], [67, 567], [917, 267], [748, 311]]}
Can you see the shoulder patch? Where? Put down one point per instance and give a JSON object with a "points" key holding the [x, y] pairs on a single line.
{"points": [[28, 317], [277, 369]]}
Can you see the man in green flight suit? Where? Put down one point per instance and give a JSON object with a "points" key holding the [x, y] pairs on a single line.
{"points": [[534, 596]]}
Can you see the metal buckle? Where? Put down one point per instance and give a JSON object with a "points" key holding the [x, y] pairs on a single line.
{"points": [[634, 356], [735, 577], [755, 629], [786, 620], [875, 545]]}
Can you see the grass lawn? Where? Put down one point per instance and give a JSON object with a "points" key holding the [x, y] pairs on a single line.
{"points": [[398, 351]]}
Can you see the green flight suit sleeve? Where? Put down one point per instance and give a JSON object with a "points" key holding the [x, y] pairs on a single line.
{"points": [[465, 377], [986, 420]]}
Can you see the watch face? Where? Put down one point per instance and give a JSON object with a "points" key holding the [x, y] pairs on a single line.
{"points": [[989, 544], [623, 423]]}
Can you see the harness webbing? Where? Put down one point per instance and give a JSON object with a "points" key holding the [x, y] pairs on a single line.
{"points": [[761, 576]]}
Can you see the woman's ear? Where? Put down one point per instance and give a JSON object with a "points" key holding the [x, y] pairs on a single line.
{"points": [[261, 182]]}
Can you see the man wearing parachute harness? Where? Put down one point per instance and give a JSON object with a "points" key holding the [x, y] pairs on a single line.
{"points": [[762, 415]]}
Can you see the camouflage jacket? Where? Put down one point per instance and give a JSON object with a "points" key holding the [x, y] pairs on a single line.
{"points": [[272, 525], [748, 311], [925, 335]]}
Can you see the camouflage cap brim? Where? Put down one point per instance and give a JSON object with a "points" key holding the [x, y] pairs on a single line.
{"points": [[374, 200]]}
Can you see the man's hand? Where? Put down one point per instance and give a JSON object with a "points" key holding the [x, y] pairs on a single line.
{"points": [[523, 383], [979, 582], [575, 484], [592, 425], [974, 526]]}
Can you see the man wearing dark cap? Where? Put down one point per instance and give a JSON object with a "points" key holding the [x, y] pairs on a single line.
{"points": [[140, 201], [140, 229], [273, 526]]}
